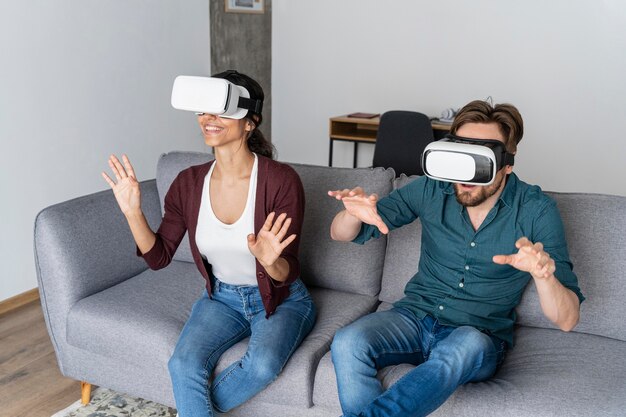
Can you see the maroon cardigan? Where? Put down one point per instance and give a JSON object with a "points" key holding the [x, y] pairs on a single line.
{"points": [[279, 189]]}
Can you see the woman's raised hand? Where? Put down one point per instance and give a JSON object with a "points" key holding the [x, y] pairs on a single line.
{"points": [[361, 206], [270, 242], [126, 190]]}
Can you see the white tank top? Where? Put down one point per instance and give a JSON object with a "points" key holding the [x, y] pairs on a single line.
{"points": [[225, 246]]}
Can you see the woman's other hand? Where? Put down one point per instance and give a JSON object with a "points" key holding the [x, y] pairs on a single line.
{"points": [[270, 242]]}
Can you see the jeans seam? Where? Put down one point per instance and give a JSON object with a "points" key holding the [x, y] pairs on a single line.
{"points": [[206, 372], [244, 306], [475, 368], [482, 360], [395, 352], [225, 377], [295, 343], [501, 354], [293, 348]]}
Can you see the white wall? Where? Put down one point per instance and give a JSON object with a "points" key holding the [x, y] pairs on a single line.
{"points": [[561, 62], [79, 80]]}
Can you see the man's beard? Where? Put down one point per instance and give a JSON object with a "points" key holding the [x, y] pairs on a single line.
{"points": [[484, 192]]}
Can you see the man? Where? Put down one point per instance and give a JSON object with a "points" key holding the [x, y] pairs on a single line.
{"points": [[480, 247]]}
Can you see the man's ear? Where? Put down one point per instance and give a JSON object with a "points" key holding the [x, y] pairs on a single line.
{"points": [[508, 169]]}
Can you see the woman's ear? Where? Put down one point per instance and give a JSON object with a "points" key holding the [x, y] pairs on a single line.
{"points": [[249, 126]]}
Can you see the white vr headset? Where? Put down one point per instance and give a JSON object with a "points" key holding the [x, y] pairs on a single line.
{"points": [[465, 160], [213, 96]]}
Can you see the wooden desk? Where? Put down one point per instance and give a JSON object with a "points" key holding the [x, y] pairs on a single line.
{"points": [[356, 130]]}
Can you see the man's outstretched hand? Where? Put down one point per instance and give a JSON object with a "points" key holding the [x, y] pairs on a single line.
{"points": [[530, 258], [361, 206]]}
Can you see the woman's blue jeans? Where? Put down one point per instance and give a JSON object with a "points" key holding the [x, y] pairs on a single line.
{"points": [[217, 323], [446, 357]]}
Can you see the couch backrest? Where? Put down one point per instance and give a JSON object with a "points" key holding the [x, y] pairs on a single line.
{"points": [[402, 255], [168, 167], [339, 265], [324, 263], [595, 230]]}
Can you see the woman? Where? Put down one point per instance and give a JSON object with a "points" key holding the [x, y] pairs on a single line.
{"points": [[244, 215]]}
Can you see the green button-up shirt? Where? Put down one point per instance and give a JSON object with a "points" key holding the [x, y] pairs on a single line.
{"points": [[457, 281]]}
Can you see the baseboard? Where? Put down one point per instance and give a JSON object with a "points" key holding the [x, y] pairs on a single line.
{"points": [[19, 300]]}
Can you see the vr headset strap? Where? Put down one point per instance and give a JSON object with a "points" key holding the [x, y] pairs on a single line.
{"points": [[507, 158], [250, 104]]}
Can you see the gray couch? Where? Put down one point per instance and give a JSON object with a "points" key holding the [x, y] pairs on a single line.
{"points": [[114, 323]]}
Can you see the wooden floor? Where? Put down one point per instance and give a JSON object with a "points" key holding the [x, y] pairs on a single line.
{"points": [[31, 384]]}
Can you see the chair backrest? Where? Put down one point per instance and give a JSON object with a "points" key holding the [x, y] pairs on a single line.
{"points": [[401, 139]]}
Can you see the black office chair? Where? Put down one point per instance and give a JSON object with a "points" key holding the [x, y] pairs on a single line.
{"points": [[401, 138]]}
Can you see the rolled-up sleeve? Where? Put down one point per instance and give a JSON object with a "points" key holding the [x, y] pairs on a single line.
{"points": [[548, 229], [399, 208]]}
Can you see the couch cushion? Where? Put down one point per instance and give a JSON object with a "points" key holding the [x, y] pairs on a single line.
{"points": [[142, 314], [325, 389], [548, 373], [146, 314], [595, 229], [403, 254], [169, 166], [339, 265], [294, 386]]}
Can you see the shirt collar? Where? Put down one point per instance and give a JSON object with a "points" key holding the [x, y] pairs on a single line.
{"points": [[447, 187], [507, 196]]}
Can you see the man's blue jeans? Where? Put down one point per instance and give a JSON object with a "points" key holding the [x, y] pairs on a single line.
{"points": [[446, 357], [216, 324]]}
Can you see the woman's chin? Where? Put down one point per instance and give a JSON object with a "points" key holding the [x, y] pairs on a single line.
{"points": [[211, 141]]}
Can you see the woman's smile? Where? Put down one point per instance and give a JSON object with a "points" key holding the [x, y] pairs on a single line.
{"points": [[212, 129]]}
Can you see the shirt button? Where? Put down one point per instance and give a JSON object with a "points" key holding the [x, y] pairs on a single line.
{"points": [[473, 244], [467, 267], [440, 307], [461, 284]]}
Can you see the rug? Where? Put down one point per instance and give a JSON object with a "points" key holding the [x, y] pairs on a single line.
{"points": [[107, 403]]}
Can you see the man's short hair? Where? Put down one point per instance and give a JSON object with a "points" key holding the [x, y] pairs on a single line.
{"points": [[506, 116]]}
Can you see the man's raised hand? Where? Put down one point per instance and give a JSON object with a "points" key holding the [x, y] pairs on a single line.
{"points": [[361, 206], [530, 258]]}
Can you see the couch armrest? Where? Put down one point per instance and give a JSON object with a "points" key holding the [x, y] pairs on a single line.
{"points": [[83, 246]]}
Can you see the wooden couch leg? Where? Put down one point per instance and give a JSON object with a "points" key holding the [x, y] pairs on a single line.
{"points": [[85, 392]]}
